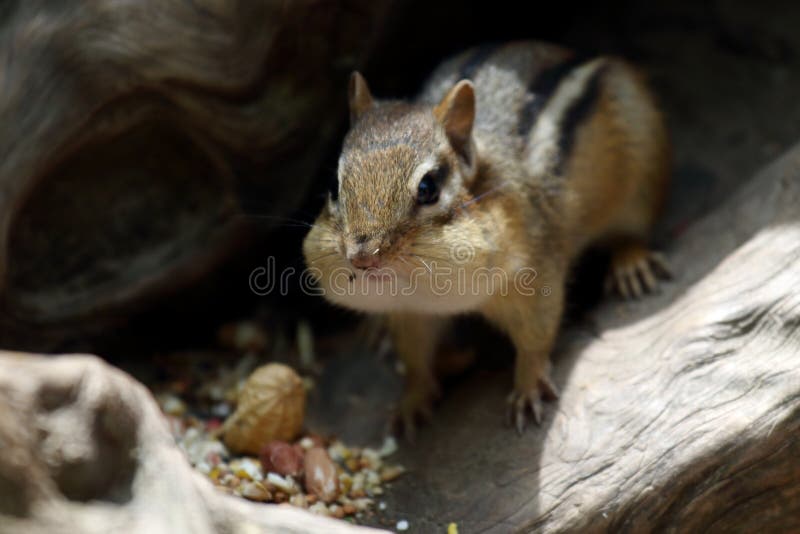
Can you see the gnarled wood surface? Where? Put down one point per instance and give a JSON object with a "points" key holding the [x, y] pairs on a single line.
{"points": [[678, 413], [130, 129], [86, 449]]}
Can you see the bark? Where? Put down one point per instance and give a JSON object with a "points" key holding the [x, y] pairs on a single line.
{"points": [[87, 450], [129, 131]]}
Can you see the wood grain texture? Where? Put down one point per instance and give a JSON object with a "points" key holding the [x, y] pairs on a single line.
{"points": [[131, 130], [679, 413], [87, 450]]}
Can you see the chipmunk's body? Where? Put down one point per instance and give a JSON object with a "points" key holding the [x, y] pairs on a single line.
{"points": [[479, 196]]}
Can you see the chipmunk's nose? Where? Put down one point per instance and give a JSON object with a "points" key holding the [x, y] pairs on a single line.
{"points": [[363, 254], [363, 260]]}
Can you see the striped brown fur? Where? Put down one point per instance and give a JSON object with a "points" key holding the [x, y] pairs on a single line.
{"points": [[547, 152]]}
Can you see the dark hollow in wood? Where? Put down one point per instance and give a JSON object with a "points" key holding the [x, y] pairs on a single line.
{"points": [[129, 130]]}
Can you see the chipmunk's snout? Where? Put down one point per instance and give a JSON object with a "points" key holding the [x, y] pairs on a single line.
{"points": [[363, 253], [364, 261]]}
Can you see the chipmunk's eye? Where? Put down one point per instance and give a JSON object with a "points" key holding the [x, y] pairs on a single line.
{"points": [[430, 185], [428, 191]]}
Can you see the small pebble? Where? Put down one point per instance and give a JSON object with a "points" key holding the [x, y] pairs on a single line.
{"points": [[255, 491], [221, 410], [299, 500], [319, 508], [390, 473], [338, 451], [373, 479], [388, 448], [362, 505], [359, 481], [336, 511], [284, 484], [352, 464], [247, 468], [344, 483], [170, 404]]}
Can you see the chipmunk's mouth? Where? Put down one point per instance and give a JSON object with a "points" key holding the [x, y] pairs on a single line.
{"points": [[385, 274], [381, 274]]}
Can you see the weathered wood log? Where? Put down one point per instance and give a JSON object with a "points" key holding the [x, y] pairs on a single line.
{"points": [[679, 413], [86, 449], [129, 129]]}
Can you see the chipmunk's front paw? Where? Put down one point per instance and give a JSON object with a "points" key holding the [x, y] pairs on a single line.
{"points": [[416, 403], [523, 400], [636, 270]]}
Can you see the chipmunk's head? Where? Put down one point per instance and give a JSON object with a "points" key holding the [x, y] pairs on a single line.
{"points": [[404, 173]]}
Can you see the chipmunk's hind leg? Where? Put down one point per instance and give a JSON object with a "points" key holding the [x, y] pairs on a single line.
{"points": [[636, 270], [416, 338]]}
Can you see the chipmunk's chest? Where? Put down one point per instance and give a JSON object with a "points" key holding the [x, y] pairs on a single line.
{"points": [[440, 291]]}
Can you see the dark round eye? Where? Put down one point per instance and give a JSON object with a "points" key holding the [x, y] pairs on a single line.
{"points": [[429, 187], [427, 191]]}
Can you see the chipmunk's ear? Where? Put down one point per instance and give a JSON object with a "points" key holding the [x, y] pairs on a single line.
{"points": [[456, 112], [359, 96]]}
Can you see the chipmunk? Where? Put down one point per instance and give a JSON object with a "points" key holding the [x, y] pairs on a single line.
{"points": [[480, 194]]}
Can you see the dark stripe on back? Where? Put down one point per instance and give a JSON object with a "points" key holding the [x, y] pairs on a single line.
{"points": [[541, 88], [576, 114], [475, 60]]}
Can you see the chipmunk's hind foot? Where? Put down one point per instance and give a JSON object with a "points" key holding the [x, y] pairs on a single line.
{"points": [[416, 405], [635, 271]]}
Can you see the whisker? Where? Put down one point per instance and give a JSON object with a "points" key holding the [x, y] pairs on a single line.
{"points": [[322, 257], [324, 240], [423, 263], [401, 258], [432, 257], [294, 222], [484, 194]]}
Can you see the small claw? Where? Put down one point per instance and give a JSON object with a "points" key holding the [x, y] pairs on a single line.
{"points": [[403, 424], [660, 262], [519, 413], [635, 272], [622, 285], [549, 389], [636, 286], [417, 403], [646, 274], [520, 403], [538, 410]]}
